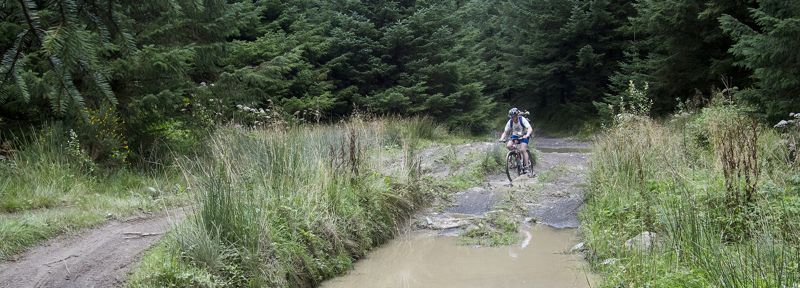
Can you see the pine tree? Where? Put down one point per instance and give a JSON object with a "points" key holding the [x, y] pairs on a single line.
{"points": [[769, 50]]}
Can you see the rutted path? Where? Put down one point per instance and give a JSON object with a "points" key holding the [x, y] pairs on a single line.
{"points": [[546, 208], [98, 257]]}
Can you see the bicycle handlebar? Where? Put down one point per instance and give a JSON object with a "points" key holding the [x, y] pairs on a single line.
{"points": [[510, 139]]}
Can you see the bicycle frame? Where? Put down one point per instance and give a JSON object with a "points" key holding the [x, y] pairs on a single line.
{"points": [[515, 158]]}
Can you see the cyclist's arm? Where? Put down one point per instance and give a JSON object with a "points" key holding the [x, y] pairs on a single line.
{"points": [[528, 127], [505, 132]]}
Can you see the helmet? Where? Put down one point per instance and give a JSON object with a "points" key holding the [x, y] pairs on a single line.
{"points": [[513, 112]]}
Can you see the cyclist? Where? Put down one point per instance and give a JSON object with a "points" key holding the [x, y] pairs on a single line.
{"points": [[520, 129]]}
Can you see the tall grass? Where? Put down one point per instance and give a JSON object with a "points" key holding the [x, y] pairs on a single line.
{"points": [[47, 188], [41, 174], [676, 180], [290, 207]]}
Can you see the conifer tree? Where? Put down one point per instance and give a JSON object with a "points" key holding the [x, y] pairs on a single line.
{"points": [[561, 54], [770, 50], [680, 48]]}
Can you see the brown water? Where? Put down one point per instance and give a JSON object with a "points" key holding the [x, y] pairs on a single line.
{"points": [[423, 260], [564, 149]]}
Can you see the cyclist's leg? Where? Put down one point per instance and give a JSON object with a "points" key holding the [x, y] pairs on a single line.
{"points": [[510, 145], [523, 146]]}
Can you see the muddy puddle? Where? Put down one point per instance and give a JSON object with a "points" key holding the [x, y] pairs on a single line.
{"points": [[420, 259], [564, 149]]}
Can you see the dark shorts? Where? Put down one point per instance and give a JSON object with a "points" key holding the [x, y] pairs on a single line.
{"points": [[523, 140]]}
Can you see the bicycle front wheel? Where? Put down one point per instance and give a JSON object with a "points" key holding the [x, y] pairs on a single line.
{"points": [[512, 164]]}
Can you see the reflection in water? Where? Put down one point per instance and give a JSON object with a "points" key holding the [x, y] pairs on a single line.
{"points": [[423, 260]]}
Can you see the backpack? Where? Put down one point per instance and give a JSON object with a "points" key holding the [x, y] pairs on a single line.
{"points": [[521, 123]]}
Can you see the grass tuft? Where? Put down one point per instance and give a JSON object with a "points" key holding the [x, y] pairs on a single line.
{"points": [[678, 181], [499, 228]]}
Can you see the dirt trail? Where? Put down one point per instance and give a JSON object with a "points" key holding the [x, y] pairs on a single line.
{"points": [[98, 257], [551, 198], [560, 188]]}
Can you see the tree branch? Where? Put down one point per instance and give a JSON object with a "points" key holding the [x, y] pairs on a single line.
{"points": [[14, 60], [52, 59]]}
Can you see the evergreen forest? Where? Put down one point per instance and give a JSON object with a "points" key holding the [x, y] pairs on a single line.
{"points": [[140, 74]]}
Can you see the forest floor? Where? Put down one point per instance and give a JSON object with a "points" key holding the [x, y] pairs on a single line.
{"points": [[103, 256]]}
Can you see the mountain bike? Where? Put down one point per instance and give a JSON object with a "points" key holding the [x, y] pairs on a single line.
{"points": [[514, 160]]}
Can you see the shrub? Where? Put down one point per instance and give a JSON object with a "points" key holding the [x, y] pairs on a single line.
{"points": [[101, 136], [633, 101]]}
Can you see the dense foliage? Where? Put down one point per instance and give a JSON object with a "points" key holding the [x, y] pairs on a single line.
{"points": [[129, 77]]}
